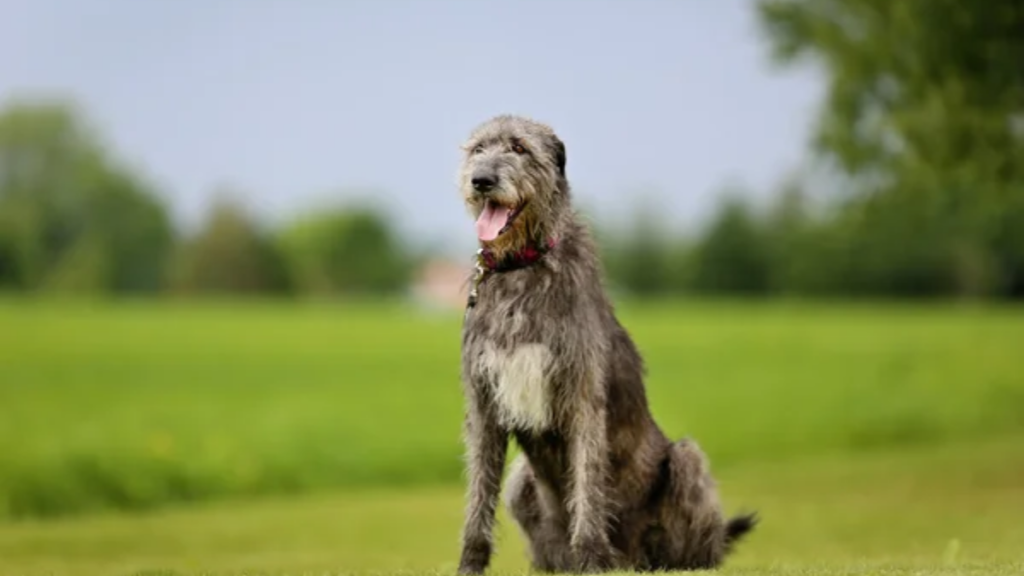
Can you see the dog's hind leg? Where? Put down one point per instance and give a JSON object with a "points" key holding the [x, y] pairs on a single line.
{"points": [[693, 532], [542, 522]]}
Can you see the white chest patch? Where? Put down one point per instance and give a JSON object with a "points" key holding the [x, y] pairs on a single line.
{"points": [[521, 385]]}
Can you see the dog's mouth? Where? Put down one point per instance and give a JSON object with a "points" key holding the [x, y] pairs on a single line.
{"points": [[495, 219]]}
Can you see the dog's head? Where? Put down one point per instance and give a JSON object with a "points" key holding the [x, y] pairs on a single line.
{"points": [[513, 181]]}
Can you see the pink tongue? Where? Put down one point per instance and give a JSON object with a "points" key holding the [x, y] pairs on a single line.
{"points": [[491, 221]]}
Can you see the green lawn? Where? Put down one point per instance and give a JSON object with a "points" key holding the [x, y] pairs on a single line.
{"points": [[133, 406], [287, 438], [950, 510]]}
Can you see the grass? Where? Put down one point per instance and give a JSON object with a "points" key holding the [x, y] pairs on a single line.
{"points": [[937, 511], [135, 406], [319, 439]]}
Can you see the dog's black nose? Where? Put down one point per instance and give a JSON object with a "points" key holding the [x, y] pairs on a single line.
{"points": [[484, 183]]}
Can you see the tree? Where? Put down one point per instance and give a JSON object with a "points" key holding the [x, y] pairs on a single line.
{"points": [[231, 254], [344, 251], [924, 104], [792, 243], [643, 259], [71, 218], [732, 257]]}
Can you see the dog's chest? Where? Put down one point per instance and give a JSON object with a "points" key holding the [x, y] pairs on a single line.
{"points": [[508, 348], [520, 381]]}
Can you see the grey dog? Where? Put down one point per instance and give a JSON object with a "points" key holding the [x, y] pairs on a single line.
{"points": [[545, 361]]}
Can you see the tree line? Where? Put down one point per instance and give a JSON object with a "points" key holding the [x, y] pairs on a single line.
{"points": [[74, 219], [922, 130], [798, 246]]}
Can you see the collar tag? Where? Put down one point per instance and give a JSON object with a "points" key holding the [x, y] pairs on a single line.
{"points": [[479, 271]]}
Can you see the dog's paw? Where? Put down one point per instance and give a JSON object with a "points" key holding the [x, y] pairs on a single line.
{"points": [[475, 558]]}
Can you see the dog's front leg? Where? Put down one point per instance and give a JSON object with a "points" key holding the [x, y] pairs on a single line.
{"points": [[588, 506], [486, 446]]}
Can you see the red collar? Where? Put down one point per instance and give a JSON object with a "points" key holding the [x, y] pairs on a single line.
{"points": [[518, 259]]}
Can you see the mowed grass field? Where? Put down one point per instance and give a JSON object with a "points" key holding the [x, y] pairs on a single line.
{"points": [[290, 438]]}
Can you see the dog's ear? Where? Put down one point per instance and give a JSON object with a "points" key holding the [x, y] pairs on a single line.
{"points": [[558, 153]]}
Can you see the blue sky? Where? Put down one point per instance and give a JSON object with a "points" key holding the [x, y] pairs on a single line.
{"points": [[294, 103]]}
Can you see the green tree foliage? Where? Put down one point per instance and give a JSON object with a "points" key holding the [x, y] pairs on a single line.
{"points": [[74, 220], [644, 259], [71, 218], [344, 251], [732, 258], [924, 111], [231, 254], [794, 247]]}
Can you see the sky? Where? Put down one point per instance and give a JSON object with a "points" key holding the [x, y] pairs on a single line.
{"points": [[298, 104]]}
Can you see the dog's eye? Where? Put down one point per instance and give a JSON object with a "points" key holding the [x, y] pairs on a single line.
{"points": [[478, 149], [518, 148]]}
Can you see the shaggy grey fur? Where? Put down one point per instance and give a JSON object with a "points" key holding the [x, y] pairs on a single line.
{"points": [[545, 361]]}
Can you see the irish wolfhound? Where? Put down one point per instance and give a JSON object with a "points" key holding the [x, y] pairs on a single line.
{"points": [[544, 360]]}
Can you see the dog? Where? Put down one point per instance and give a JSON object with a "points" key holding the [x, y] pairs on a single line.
{"points": [[545, 361]]}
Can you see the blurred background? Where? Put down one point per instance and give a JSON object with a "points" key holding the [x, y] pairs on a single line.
{"points": [[233, 254]]}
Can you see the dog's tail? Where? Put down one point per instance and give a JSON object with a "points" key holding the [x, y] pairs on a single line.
{"points": [[737, 527]]}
